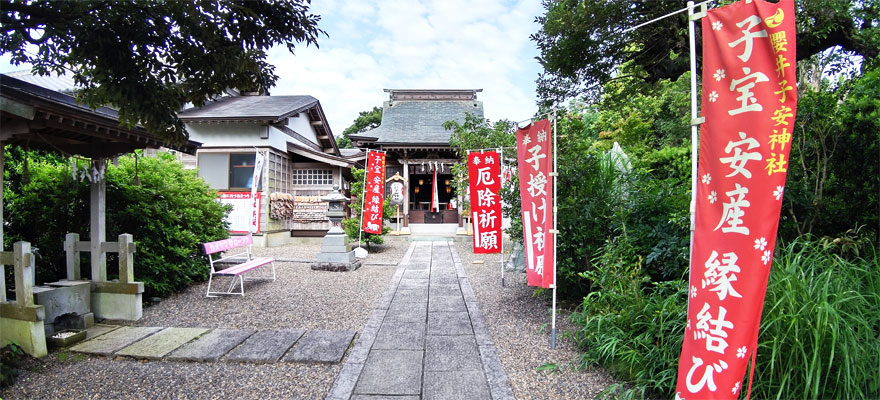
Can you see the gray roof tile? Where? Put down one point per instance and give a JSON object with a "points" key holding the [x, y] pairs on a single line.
{"points": [[250, 107], [421, 121]]}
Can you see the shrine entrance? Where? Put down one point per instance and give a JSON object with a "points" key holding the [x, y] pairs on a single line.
{"points": [[420, 194]]}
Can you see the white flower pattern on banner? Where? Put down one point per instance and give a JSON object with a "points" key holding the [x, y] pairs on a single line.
{"points": [[707, 178], [778, 192], [717, 25], [741, 352], [693, 291], [719, 74], [713, 97], [760, 244], [767, 256], [735, 388], [713, 197]]}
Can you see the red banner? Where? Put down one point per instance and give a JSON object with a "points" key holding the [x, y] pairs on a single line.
{"points": [[374, 193], [484, 176], [534, 151], [749, 99]]}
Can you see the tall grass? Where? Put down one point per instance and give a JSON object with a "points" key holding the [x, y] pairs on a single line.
{"points": [[820, 333], [819, 337]]}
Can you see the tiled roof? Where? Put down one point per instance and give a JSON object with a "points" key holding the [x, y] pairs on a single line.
{"points": [[421, 121], [272, 108]]}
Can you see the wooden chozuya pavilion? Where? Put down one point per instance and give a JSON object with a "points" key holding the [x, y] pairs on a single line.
{"points": [[40, 118], [417, 144]]}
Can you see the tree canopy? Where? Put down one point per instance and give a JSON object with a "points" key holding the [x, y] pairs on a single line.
{"points": [[365, 121], [582, 42], [148, 58]]}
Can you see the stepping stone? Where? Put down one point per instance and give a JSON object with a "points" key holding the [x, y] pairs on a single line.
{"points": [[158, 345], [321, 346], [211, 346], [416, 274], [411, 296], [100, 329], [114, 341], [407, 312], [391, 372], [408, 283], [400, 336], [445, 290], [446, 303], [469, 385], [265, 346], [449, 323], [452, 353]]}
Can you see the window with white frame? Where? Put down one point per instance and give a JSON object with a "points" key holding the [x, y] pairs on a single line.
{"points": [[312, 177], [227, 171]]}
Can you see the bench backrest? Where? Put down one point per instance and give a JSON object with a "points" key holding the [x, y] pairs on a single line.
{"points": [[226, 244]]}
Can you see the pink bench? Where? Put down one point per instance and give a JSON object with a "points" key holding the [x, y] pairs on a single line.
{"points": [[216, 249]]}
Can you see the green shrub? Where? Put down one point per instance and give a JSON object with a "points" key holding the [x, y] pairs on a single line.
{"points": [[170, 214], [819, 337], [352, 226]]}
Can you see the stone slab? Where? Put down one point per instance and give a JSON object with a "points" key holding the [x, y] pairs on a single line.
{"points": [[411, 296], [418, 266], [469, 385], [265, 346], [321, 346], [391, 372], [400, 336], [445, 290], [452, 353], [161, 343], [211, 346], [446, 303], [407, 312], [499, 386], [100, 329], [444, 279], [416, 274], [449, 323], [111, 342], [379, 397], [343, 386], [361, 349], [409, 283]]}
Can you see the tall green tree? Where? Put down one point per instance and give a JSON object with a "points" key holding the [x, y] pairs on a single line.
{"points": [[582, 42], [150, 58], [365, 121]]}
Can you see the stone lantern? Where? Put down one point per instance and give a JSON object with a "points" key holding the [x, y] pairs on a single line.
{"points": [[336, 254]]}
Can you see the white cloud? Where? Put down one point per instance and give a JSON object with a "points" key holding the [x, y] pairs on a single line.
{"points": [[405, 44]]}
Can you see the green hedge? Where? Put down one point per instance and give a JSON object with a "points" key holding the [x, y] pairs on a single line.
{"points": [[169, 211]]}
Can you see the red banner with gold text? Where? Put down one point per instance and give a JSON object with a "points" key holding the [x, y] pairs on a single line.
{"points": [[374, 193], [749, 100], [484, 177], [534, 151]]}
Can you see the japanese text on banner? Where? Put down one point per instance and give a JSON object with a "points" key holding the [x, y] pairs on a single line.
{"points": [[374, 193], [535, 163], [749, 103], [484, 177]]}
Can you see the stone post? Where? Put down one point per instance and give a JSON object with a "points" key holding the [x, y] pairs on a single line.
{"points": [[24, 273], [74, 272], [98, 226], [126, 258]]}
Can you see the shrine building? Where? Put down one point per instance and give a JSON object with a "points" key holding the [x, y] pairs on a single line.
{"points": [[417, 144]]}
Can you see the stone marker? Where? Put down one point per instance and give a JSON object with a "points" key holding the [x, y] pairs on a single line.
{"points": [[114, 341], [158, 345], [212, 345], [321, 346], [265, 346]]}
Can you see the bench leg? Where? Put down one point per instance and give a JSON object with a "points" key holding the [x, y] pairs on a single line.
{"points": [[210, 279], [229, 290], [241, 279]]}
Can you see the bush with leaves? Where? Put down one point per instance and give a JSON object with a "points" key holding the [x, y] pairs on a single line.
{"points": [[169, 211], [352, 226]]}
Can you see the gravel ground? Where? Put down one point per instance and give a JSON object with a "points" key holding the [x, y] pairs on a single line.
{"points": [[520, 328], [299, 298]]}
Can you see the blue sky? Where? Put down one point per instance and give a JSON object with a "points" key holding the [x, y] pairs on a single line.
{"points": [[423, 44]]}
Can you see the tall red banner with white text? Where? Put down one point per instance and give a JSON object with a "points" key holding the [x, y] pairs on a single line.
{"points": [[749, 99], [534, 152], [374, 193], [484, 177]]}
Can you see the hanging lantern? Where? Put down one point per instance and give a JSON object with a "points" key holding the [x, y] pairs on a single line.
{"points": [[417, 189], [448, 189], [421, 182]]}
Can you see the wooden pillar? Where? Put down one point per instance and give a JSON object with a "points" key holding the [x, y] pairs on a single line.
{"points": [[405, 163], [73, 261], [97, 225], [126, 258]]}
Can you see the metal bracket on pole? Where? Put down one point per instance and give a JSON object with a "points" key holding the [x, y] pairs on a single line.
{"points": [[698, 15], [698, 121]]}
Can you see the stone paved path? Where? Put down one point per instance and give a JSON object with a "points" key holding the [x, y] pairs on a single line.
{"points": [[426, 338], [210, 345]]}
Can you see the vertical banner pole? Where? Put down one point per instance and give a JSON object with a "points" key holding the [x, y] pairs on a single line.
{"points": [[555, 234], [694, 132], [501, 180], [363, 197]]}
